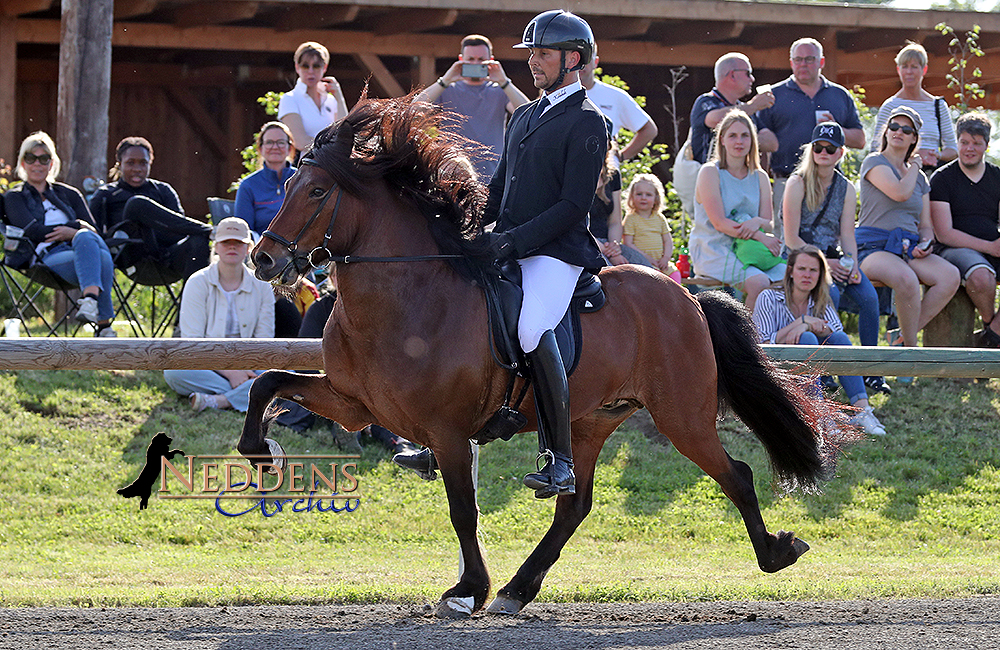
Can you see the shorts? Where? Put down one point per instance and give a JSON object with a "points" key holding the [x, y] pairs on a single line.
{"points": [[968, 260]]}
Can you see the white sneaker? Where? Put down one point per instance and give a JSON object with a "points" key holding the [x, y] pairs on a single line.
{"points": [[86, 310], [107, 332], [866, 420]]}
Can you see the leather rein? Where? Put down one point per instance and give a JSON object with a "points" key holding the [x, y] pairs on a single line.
{"points": [[321, 255]]}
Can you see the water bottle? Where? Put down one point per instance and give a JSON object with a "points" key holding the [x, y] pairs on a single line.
{"points": [[847, 262], [684, 263]]}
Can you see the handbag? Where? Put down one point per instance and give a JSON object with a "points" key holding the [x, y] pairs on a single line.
{"points": [[754, 253]]}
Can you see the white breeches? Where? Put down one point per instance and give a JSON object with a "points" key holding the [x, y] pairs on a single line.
{"points": [[548, 286]]}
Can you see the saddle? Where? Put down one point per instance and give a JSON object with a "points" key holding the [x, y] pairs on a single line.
{"points": [[503, 307]]}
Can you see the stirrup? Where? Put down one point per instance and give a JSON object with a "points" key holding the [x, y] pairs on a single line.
{"points": [[548, 484]]}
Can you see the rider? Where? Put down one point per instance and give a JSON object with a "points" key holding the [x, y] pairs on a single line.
{"points": [[539, 198]]}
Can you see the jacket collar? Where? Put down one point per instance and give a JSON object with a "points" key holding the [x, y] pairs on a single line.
{"points": [[213, 278]]}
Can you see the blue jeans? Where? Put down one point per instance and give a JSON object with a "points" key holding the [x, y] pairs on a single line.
{"points": [[864, 294], [209, 382], [86, 262], [853, 386]]}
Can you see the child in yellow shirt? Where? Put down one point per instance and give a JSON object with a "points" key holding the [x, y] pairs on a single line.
{"points": [[645, 227]]}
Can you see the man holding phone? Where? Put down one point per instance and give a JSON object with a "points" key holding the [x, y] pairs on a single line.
{"points": [[477, 88]]}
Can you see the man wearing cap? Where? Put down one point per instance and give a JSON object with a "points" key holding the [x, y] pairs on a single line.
{"points": [[539, 197], [484, 99], [801, 102], [965, 208], [223, 300]]}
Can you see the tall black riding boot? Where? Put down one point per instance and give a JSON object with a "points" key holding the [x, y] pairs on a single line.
{"points": [[554, 434]]}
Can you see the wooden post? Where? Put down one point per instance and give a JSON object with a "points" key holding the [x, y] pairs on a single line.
{"points": [[952, 328], [8, 89], [84, 88]]}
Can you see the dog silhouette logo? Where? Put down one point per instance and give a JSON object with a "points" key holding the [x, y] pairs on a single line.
{"points": [[142, 486]]}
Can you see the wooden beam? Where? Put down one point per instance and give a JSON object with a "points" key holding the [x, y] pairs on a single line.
{"points": [[213, 13], [867, 40], [698, 31], [84, 88], [612, 28], [426, 70], [132, 8], [408, 21], [384, 78], [21, 7], [315, 17], [199, 119], [8, 90]]}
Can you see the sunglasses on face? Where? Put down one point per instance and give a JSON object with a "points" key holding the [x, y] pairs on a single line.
{"points": [[829, 148], [30, 158], [275, 143], [907, 130]]}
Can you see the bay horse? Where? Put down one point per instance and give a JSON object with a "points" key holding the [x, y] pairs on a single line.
{"points": [[386, 192]]}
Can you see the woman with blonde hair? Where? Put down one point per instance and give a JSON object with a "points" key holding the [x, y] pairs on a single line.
{"points": [[316, 101], [733, 202], [59, 231], [801, 313]]}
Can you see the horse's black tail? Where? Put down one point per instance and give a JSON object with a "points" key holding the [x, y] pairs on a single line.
{"points": [[777, 405]]}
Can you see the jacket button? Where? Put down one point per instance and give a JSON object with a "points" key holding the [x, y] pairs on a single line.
{"points": [[521, 147], [513, 178]]}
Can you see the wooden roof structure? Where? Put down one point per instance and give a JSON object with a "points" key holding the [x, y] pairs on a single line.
{"points": [[186, 73]]}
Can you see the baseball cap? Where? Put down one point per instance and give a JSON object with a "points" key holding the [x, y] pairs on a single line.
{"points": [[828, 132], [906, 111], [233, 228]]}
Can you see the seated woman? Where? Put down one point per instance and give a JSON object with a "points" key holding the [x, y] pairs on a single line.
{"points": [[606, 214], [733, 201], [895, 232], [819, 207], [801, 313], [142, 208], [260, 194], [59, 231], [223, 300]]}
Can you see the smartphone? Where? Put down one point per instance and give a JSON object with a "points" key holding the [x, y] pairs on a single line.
{"points": [[475, 70], [924, 245]]}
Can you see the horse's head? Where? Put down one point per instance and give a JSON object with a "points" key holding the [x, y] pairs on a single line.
{"points": [[299, 237]]}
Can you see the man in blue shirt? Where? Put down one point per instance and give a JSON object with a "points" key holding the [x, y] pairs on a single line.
{"points": [[801, 102]]}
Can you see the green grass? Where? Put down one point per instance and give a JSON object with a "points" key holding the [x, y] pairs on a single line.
{"points": [[914, 514]]}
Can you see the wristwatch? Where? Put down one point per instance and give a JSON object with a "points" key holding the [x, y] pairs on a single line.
{"points": [[441, 82]]}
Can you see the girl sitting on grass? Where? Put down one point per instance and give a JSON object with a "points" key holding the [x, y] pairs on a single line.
{"points": [[645, 226]]}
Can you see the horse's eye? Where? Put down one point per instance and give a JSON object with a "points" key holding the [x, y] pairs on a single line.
{"points": [[317, 192]]}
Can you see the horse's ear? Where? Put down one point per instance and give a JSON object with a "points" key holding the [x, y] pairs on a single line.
{"points": [[345, 138]]}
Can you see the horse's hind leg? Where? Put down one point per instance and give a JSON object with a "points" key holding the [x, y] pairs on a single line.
{"points": [[589, 435], [311, 391], [693, 433], [473, 587]]}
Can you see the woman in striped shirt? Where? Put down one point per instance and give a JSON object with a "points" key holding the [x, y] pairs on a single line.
{"points": [[801, 313]]}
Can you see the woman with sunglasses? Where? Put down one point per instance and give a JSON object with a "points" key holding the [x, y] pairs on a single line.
{"points": [[59, 231], [317, 100], [895, 233], [819, 206]]}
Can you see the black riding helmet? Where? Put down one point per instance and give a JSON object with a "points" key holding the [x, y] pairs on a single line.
{"points": [[560, 30]]}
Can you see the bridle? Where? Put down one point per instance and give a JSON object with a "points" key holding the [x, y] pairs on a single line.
{"points": [[321, 255]]}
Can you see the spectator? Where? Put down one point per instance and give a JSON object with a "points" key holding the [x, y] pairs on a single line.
{"points": [[139, 207], [802, 313], [606, 214], [733, 201], [965, 202], [895, 230], [621, 108], [59, 231], [317, 100], [645, 226], [819, 207], [477, 88], [937, 137], [223, 300], [733, 80], [260, 194], [801, 102]]}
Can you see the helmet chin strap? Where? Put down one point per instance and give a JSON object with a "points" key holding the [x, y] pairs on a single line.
{"points": [[562, 72]]}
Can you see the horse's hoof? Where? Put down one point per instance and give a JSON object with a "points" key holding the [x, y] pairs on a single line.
{"points": [[277, 455], [455, 607], [505, 606], [800, 546]]}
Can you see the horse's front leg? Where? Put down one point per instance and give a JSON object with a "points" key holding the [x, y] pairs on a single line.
{"points": [[473, 587], [314, 392]]}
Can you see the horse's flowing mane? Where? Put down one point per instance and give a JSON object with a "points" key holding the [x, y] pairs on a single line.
{"points": [[413, 147]]}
